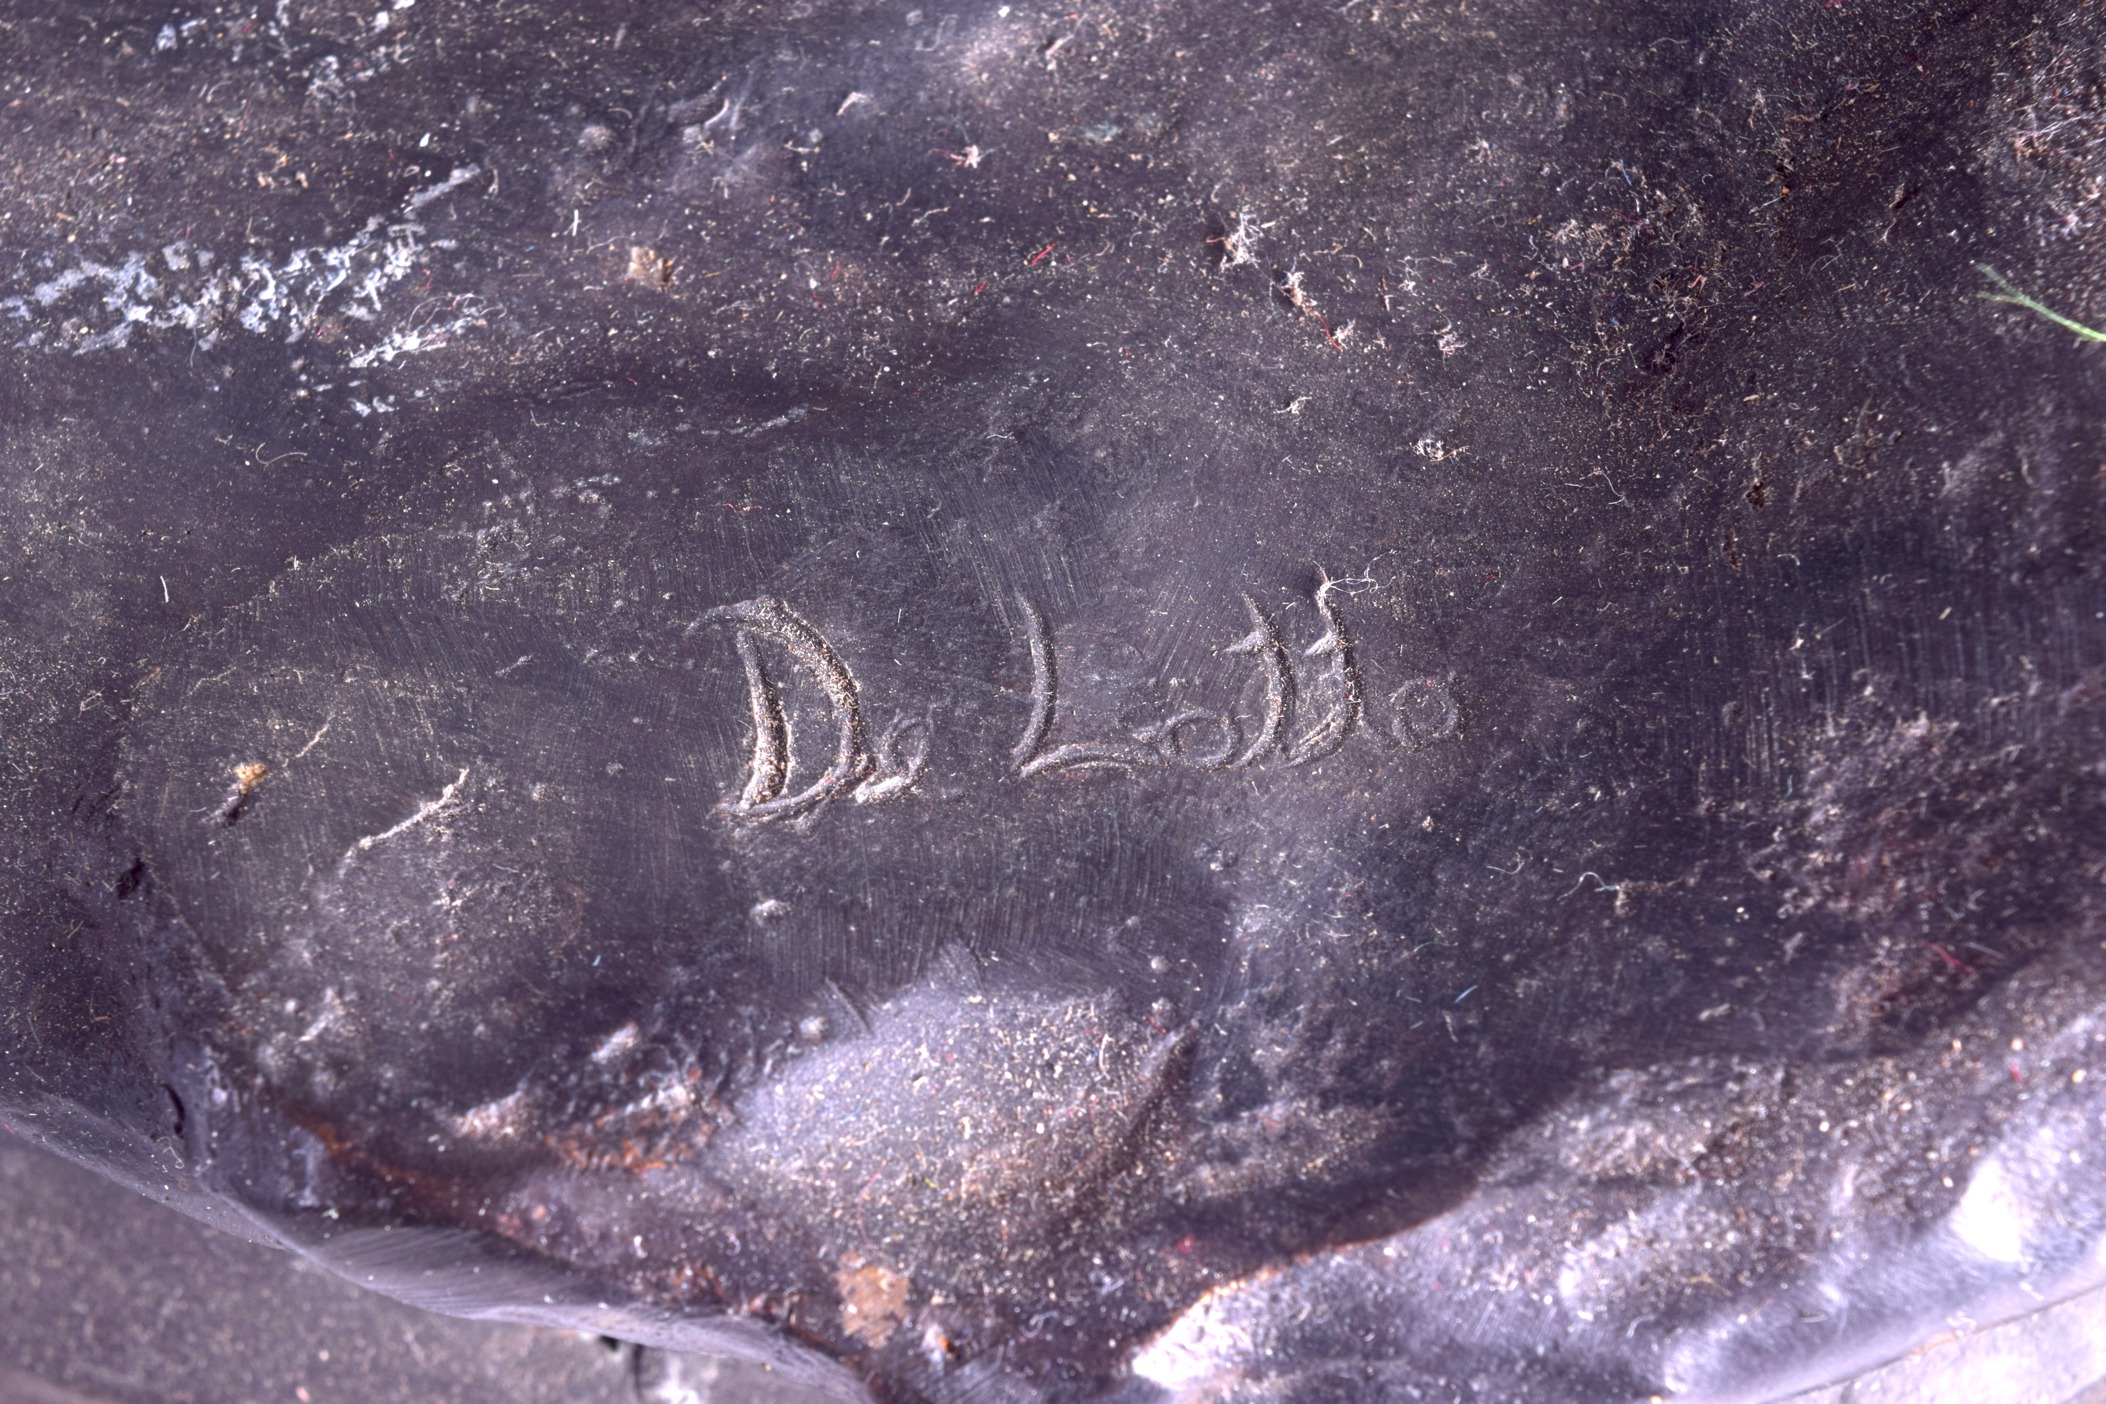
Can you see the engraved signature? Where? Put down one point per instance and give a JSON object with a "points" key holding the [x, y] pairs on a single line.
{"points": [[856, 769], [1164, 741], [1300, 720]]}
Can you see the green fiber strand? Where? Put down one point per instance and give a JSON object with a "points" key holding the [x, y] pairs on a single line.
{"points": [[2013, 296]]}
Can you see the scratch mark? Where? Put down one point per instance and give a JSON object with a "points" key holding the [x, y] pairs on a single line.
{"points": [[314, 740], [424, 812]]}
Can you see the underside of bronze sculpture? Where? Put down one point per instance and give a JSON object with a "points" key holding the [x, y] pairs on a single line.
{"points": [[1369, 701]]}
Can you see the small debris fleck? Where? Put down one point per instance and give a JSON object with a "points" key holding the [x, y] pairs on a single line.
{"points": [[649, 267], [247, 776]]}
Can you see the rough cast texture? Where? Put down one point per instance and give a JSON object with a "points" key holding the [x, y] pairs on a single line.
{"points": [[1343, 701]]}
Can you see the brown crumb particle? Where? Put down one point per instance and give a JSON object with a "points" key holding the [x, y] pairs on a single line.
{"points": [[247, 776], [873, 1301]]}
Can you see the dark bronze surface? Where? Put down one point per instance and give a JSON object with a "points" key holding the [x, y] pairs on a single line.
{"points": [[1323, 701]]}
